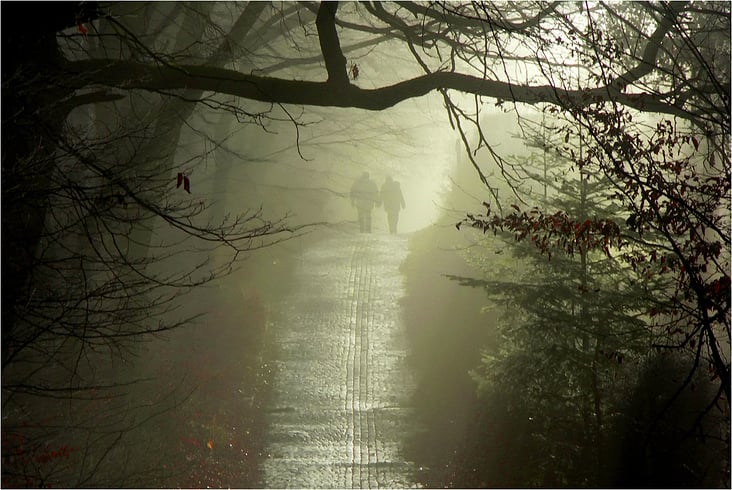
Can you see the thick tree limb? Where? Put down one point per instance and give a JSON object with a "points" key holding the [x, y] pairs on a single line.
{"points": [[647, 62], [131, 75], [92, 98], [335, 62]]}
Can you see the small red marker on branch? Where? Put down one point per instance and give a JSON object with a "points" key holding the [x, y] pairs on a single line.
{"points": [[183, 179]]}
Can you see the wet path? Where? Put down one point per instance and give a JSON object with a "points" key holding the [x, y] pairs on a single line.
{"points": [[338, 413]]}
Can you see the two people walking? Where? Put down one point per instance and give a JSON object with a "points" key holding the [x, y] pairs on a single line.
{"points": [[366, 196]]}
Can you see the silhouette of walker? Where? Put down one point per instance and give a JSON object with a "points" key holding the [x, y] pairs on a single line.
{"points": [[391, 196], [365, 196]]}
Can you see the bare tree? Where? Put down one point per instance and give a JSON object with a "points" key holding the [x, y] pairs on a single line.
{"points": [[106, 238]]}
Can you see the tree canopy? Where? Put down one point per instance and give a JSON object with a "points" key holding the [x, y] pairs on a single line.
{"points": [[658, 64]]}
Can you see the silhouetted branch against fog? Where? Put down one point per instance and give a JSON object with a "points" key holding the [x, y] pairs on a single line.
{"points": [[131, 75]]}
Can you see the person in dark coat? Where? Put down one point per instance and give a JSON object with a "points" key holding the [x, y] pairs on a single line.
{"points": [[365, 197], [391, 196]]}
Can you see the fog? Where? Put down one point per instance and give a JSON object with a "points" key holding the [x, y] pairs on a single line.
{"points": [[332, 154], [294, 245]]}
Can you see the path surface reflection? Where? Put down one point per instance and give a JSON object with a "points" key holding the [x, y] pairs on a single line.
{"points": [[339, 415]]}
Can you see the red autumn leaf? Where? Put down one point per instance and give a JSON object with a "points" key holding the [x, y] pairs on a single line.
{"points": [[696, 143], [515, 207], [180, 179], [82, 29], [187, 184]]}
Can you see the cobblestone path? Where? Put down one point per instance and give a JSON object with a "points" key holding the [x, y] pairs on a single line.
{"points": [[338, 416]]}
